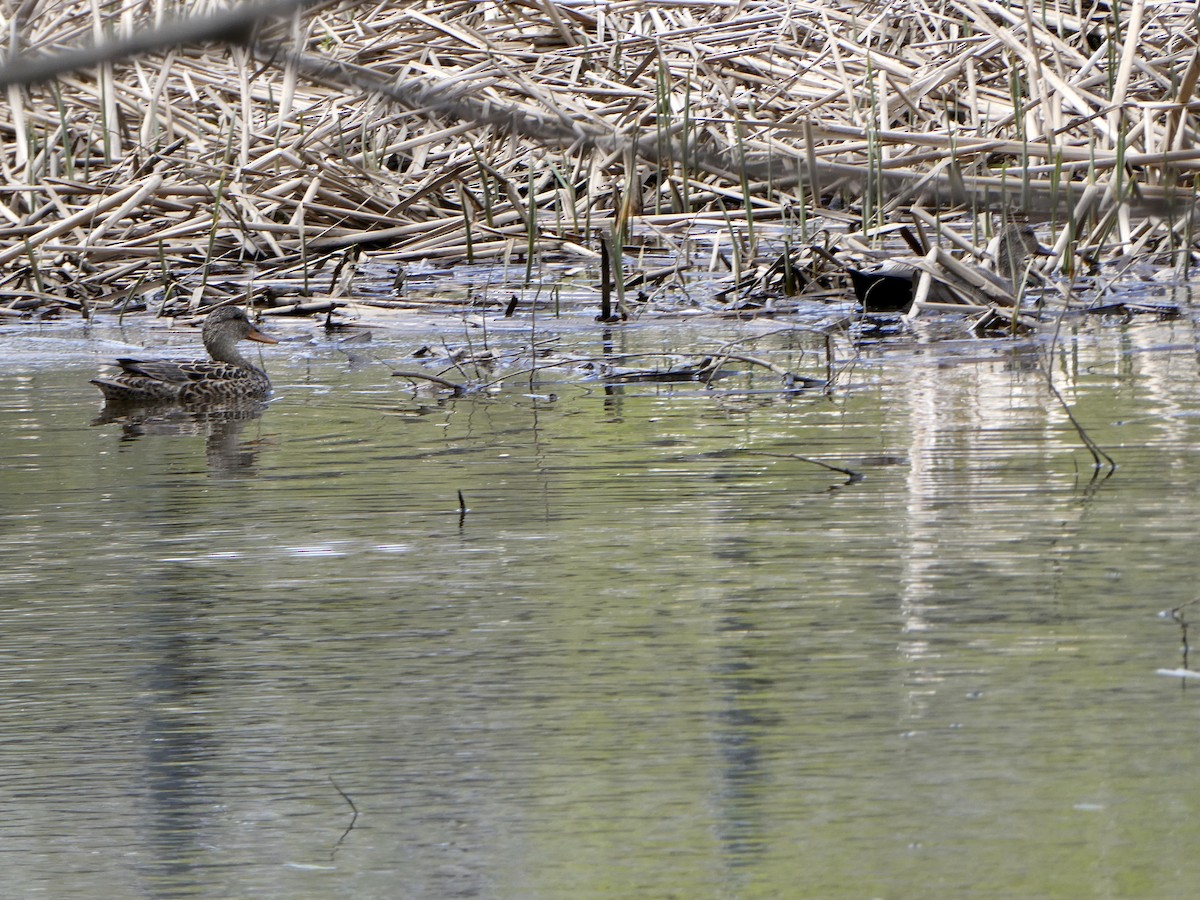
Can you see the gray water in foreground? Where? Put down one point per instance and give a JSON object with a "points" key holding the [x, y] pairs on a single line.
{"points": [[661, 656]]}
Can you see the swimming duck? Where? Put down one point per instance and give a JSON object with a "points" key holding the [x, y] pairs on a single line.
{"points": [[889, 286], [227, 376]]}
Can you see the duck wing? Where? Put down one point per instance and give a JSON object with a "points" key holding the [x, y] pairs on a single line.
{"points": [[167, 371]]}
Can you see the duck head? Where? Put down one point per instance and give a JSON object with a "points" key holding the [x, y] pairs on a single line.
{"points": [[224, 327]]}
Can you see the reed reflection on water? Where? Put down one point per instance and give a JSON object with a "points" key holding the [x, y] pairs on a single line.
{"points": [[662, 654]]}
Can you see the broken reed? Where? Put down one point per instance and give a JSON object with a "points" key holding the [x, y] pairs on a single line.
{"points": [[485, 131]]}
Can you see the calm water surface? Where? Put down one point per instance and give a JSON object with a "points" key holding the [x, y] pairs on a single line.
{"points": [[662, 655]]}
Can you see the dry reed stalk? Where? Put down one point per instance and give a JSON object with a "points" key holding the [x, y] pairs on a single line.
{"points": [[401, 126]]}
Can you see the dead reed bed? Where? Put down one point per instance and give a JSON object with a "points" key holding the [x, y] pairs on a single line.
{"points": [[517, 129]]}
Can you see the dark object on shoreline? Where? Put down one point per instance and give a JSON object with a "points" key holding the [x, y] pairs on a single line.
{"points": [[227, 376], [889, 286]]}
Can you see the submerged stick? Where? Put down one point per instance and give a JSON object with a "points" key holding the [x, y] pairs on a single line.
{"points": [[1092, 447], [855, 477], [353, 818], [458, 389], [605, 280]]}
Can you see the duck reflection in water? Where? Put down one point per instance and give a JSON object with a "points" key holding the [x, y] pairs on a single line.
{"points": [[220, 425]]}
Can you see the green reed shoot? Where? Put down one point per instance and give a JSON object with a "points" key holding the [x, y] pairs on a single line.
{"points": [[687, 147], [464, 199], [218, 202], [873, 194], [662, 128], [486, 188], [531, 215], [64, 131], [744, 173]]}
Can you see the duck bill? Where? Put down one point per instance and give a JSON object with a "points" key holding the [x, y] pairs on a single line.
{"points": [[261, 338]]}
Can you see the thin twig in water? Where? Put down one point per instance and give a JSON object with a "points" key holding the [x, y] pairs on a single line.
{"points": [[353, 819], [1179, 619], [855, 477], [1092, 447], [1044, 364], [458, 389], [790, 379]]}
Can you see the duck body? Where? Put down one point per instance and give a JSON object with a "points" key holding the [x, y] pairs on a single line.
{"points": [[183, 381], [227, 375]]}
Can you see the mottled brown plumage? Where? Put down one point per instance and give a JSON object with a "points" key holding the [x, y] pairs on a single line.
{"points": [[227, 376], [1011, 250]]}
